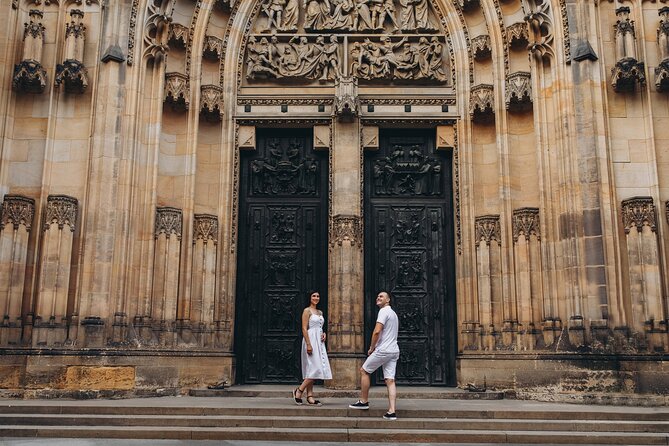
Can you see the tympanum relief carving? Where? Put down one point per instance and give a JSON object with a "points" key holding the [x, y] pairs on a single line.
{"points": [[282, 47]]}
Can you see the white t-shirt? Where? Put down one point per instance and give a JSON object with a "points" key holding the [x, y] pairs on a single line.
{"points": [[388, 339]]}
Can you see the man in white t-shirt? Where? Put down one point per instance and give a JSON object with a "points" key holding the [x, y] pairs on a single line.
{"points": [[383, 352]]}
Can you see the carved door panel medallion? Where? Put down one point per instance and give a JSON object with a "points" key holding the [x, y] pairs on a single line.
{"points": [[409, 252], [282, 252]]}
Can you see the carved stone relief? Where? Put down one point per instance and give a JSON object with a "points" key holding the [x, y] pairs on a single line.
{"points": [[168, 221], [346, 228], [72, 73], [29, 76], [540, 35], [284, 172], [212, 48], [628, 71], [407, 172], [178, 36], [370, 137], [639, 212], [481, 48], [518, 91], [205, 227], [322, 137], [211, 102], [177, 91], [445, 137], [518, 35], [526, 222], [488, 229], [346, 103], [17, 210], [246, 137], [62, 210], [481, 102], [662, 70]]}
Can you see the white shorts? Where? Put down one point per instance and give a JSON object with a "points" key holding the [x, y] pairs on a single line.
{"points": [[387, 360]]}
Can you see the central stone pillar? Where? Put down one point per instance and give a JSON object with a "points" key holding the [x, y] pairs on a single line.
{"points": [[345, 255]]}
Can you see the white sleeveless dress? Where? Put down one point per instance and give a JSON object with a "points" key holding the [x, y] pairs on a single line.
{"points": [[316, 365]]}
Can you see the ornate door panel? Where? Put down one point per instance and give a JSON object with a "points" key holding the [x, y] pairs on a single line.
{"points": [[282, 252], [409, 252]]}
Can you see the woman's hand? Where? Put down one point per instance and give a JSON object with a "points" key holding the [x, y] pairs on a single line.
{"points": [[309, 350], [323, 337]]}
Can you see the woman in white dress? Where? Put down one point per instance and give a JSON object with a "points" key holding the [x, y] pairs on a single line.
{"points": [[315, 363]]}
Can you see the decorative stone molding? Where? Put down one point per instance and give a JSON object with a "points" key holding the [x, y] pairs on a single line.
{"points": [[518, 35], [322, 136], [488, 229], [540, 30], [212, 48], [446, 138], [177, 91], [481, 48], [246, 137], [626, 74], [346, 228], [73, 75], [205, 227], [17, 210], [62, 210], [29, 76], [168, 221], [518, 91], [526, 222], [662, 71], [346, 102], [370, 137], [481, 101], [211, 102], [178, 35], [639, 212]]}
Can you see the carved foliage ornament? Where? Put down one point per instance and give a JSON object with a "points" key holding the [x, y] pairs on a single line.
{"points": [[626, 74], [168, 221], [62, 210], [481, 100], [481, 48], [178, 35], [35, 28], [639, 212], [488, 229], [518, 34], [526, 222], [72, 74], [540, 24], [17, 210], [212, 48], [212, 102], [76, 28], [29, 76], [205, 227], [177, 91], [519, 91], [346, 228]]}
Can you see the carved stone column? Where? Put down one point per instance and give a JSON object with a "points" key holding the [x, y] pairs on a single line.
{"points": [[662, 70], [345, 257], [204, 309], [60, 222], [527, 269], [167, 235], [489, 277], [16, 218], [627, 71], [640, 223], [29, 76], [72, 72]]}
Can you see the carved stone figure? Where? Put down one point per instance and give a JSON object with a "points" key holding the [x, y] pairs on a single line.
{"points": [[260, 59], [317, 13], [434, 56], [344, 17], [274, 11], [383, 10], [416, 15], [291, 14], [329, 59]]}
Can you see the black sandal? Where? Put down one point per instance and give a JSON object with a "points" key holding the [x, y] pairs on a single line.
{"points": [[315, 403], [297, 400]]}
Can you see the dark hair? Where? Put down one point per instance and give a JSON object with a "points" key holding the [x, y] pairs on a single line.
{"points": [[309, 296], [390, 297]]}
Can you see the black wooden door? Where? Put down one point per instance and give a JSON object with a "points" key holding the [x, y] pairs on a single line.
{"points": [[282, 252], [409, 252]]}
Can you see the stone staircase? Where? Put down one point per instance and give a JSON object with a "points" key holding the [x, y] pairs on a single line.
{"points": [[435, 420]]}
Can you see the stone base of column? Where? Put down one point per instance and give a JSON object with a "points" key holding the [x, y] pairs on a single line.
{"points": [[10, 332], [345, 372], [49, 334], [94, 332]]}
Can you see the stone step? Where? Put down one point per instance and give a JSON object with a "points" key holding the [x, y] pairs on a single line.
{"points": [[332, 408], [215, 421], [391, 435]]}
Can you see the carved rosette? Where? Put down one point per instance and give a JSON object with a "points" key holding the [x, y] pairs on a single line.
{"points": [[519, 91], [205, 228], [626, 74], [526, 222], [346, 103], [639, 212], [481, 48], [488, 229], [62, 210], [517, 35], [481, 101], [17, 210], [346, 228], [73, 75], [178, 36], [212, 48], [211, 102], [177, 91], [168, 221]]}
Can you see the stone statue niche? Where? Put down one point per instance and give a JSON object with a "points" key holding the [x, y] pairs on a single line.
{"points": [[347, 16]]}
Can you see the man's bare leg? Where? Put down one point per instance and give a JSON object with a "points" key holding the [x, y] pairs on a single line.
{"points": [[365, 383], [392, 395]]}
